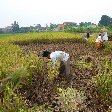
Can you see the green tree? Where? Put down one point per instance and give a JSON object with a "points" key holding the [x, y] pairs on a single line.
{"points": [[15, 27], [68, 28], [24, 29], [1, 31], [81, 24], [52, 26], [86, 24], [105, 21]]}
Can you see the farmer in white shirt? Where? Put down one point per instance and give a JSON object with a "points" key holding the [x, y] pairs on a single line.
{"points": [[99, 41], [59, 56], [99, 38]]}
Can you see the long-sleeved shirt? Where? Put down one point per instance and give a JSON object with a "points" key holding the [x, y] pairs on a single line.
{"points": [[59, 55], [99, 39], [105, 37]]}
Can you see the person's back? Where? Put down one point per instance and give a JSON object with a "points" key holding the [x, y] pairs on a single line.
{"points": [[59, 55]]}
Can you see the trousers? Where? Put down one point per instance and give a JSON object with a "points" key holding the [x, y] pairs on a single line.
{"points": [[65, 67]]}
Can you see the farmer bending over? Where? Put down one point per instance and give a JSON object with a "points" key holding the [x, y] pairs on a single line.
{"points": [[61, 56]]}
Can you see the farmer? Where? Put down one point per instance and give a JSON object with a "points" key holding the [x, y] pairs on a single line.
{"points": [[88, 33], [61, 56], [104, 34], [99, 41], [105, 37]]}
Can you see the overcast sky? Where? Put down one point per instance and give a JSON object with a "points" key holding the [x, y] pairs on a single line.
{"points": [[30, 12]]}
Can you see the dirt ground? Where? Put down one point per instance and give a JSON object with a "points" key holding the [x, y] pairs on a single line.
{"points": [[79, 77]]}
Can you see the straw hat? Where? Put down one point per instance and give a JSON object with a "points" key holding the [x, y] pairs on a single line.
{"points": [[103, 30]]}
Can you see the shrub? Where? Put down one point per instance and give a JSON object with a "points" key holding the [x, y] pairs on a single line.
{"points": [[53, 70], [72, 99], [103, 81], [108, 46], [104, 86], [11, 102]]}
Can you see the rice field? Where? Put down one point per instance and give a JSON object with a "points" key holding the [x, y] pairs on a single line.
{"points": [[28, 83]]}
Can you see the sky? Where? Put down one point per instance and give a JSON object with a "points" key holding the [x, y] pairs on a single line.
{"points": [[32, 12]]}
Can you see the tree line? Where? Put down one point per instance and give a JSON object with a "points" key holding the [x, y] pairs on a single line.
{"points": [[82, 27]]}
